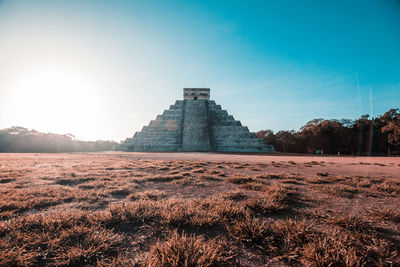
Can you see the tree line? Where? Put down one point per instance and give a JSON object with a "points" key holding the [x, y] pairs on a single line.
{"points": [[364, 136], [22, 140]]}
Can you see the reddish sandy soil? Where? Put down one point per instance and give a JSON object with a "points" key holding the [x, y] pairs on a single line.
{"points": [[346, 209], [344, 165]]}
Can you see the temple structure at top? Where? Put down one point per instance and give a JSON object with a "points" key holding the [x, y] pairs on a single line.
{"points": [[196, 93], [195, 123]]}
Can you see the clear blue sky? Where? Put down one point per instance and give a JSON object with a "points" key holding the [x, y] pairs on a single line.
{"points": [[103, 69]]}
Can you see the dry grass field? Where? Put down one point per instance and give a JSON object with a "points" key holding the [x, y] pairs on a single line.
{"points": [[198, 209]]}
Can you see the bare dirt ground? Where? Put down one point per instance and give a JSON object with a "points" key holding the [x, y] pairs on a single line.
{"points": [[198, 209], [345, 165]]}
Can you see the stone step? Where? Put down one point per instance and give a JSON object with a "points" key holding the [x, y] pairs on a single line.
{"points": [[234, 135], [169, 117], [220, 113], [172, 112], [227, 129], [228, 123], [161, 134], [153, 143], [171, 124], [179, 103], [161, 128], [221, 116], [176, 107], [265, 148], [156, 138], [227, 118], [215, 107], [238, 141], [155, 148]]}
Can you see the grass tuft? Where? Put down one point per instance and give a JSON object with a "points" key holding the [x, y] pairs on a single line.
{"points": [[240, 180], [187, 250]]}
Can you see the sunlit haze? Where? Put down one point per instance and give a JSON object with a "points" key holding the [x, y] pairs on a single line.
{"points": [[103, 69]]}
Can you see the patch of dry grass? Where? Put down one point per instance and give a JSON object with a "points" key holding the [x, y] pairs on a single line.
{"points": [[317, 180], [351, 223], [253, 232], [164, 178], [110, 210], [210, 178], [281, 238], [389, 186], [255, 186], [236, 195], [183, 250], [271, 176], [340, 190], [58, 239], [148, 195], [190, 182], [274, 198], [347, 249], [240, 180], [386, 214]]}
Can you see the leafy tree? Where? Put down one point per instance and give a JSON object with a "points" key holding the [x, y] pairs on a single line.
{"points": [[392, 128], [364, 136], [268, 136]]}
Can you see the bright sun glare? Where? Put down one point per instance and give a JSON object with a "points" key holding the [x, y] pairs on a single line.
{"points": [[55, 100]]}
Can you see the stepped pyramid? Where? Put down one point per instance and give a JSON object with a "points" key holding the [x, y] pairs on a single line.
{"points": [[195, 123]]}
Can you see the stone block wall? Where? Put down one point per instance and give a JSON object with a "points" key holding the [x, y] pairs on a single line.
{"points": [[195, 125]]}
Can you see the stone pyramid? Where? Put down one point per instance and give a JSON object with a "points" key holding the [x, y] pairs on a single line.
{"points": [[195, 123]]}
